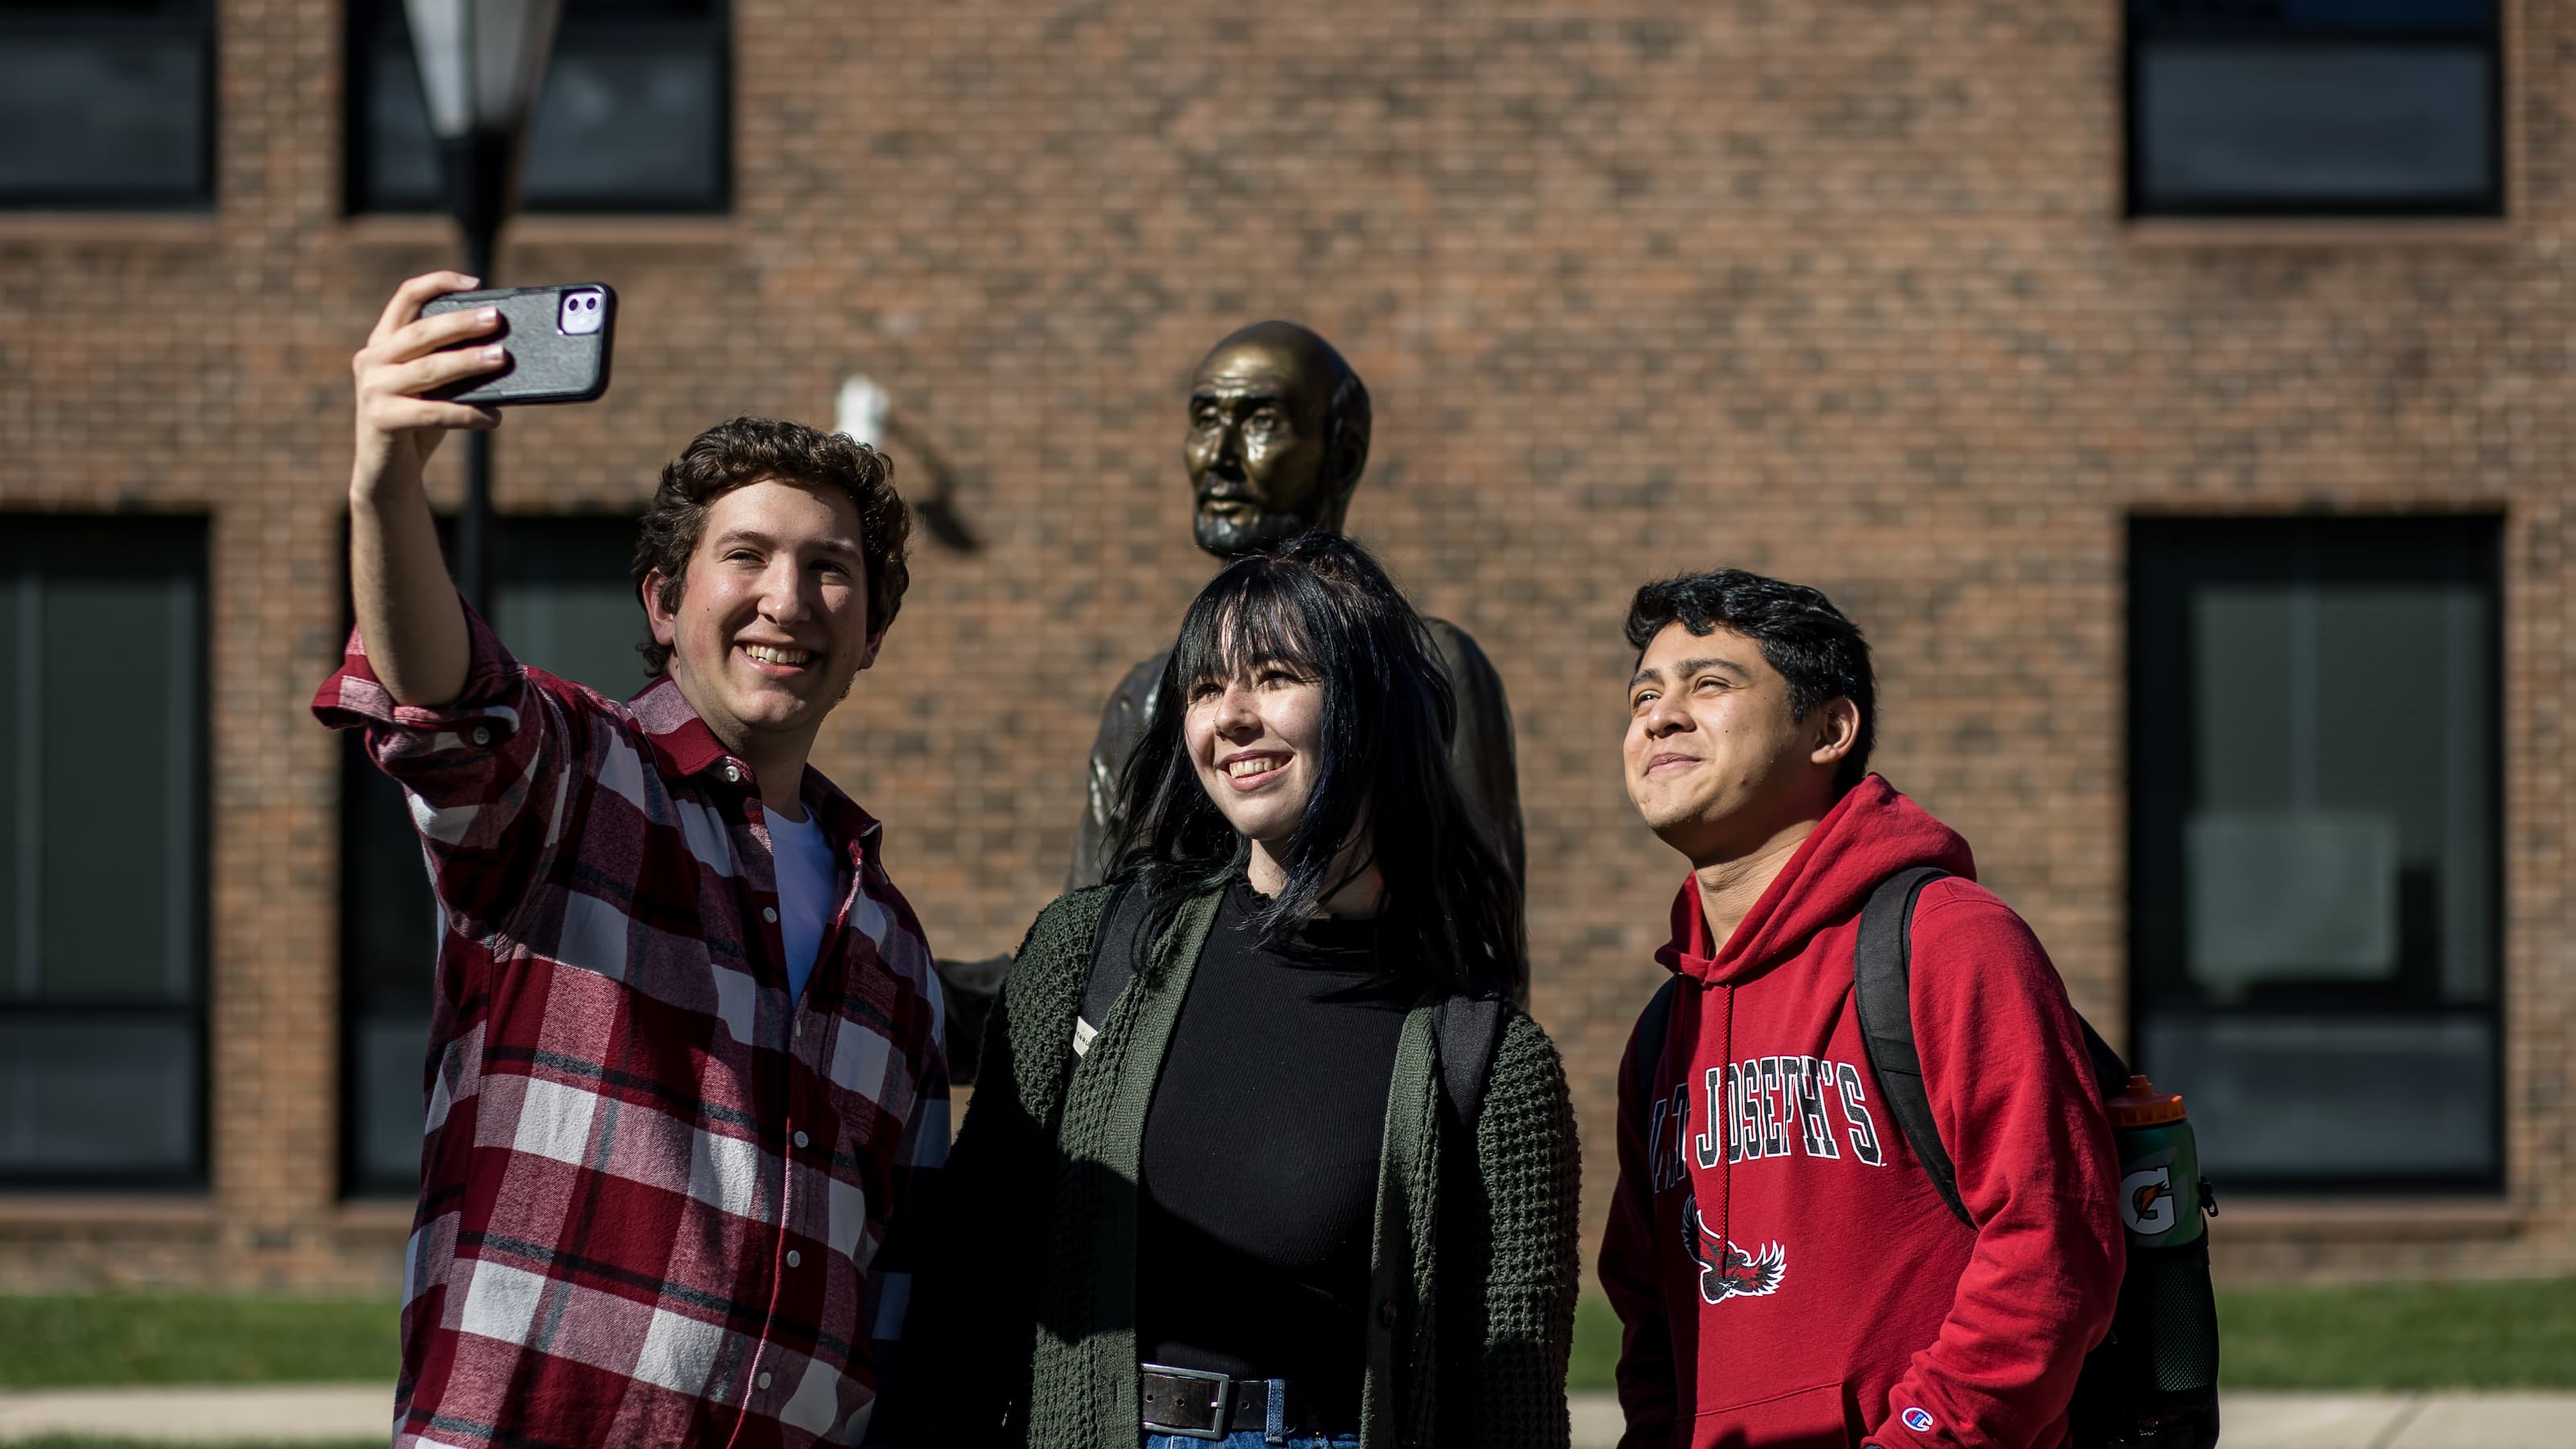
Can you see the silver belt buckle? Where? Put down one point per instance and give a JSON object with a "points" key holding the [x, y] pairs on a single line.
{"points": [[1220, 1402]]}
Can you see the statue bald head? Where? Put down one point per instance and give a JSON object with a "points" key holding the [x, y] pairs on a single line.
{"points": [[1279, 432]]}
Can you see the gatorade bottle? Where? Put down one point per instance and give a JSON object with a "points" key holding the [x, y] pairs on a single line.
{"points": [[2160, 1188], [2158, 1384]]}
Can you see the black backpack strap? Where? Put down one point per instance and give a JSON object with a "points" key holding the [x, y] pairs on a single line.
{"points": [[1113, 960], [1469, 1029], [2110, 1069], [1646, 1044], [1882, 994]]}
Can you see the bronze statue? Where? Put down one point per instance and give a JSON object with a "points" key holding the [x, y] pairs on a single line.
{"points": [[1278, 437]]}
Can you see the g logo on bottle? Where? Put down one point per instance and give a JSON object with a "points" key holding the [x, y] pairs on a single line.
{"points": [[2147, 1201]]}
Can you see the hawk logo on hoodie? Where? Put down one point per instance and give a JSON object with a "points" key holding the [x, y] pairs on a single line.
{"points": [[1736, 1273]]}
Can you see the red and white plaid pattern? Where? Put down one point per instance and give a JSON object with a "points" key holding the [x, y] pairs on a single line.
{"points": [[654, 1188]]}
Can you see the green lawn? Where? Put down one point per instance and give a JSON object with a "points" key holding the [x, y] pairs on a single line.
{"points": [[2514, 1335], [72, 1341], [1596, 1346], [2385, 1336]]}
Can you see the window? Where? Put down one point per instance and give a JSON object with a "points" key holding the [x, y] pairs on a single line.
{"points": [[107, 104], [2315, 108], [2315, 912], [635, 114], [102, 852], [563, 602]]}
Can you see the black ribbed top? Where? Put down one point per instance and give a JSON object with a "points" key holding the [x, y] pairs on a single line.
{"points": [[1260, 1160]]}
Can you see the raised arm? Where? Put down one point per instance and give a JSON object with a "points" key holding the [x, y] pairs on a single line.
{"points": [[407, 608]]}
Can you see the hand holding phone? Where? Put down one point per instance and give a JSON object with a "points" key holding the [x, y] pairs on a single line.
{"points": [[406, 361], [556, 342]]}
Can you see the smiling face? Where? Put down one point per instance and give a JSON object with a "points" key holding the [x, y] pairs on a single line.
{"points": [[772, 623], [1715, 761], [1255, 740], [1265, 461]]}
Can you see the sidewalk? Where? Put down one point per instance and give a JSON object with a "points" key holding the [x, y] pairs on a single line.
{"points": [[273, 1413], [364, 1412]]}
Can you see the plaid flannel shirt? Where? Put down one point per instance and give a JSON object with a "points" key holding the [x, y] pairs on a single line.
{"points": [[654, 1188]]}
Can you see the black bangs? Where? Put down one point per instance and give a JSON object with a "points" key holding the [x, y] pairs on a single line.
{"points": [[1252, 613]]}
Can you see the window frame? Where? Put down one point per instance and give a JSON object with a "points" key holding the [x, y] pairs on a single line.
{"points": [[199, 20], [190, 536], [2168, 557], [2492, 202], [359, 30]]}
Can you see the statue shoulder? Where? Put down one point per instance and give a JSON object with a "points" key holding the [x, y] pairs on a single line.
{"points": [[1459, 651], [1133, 699], [1141, 677]]}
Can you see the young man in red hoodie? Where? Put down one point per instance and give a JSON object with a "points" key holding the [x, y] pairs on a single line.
{"points": [[1785, 1272]]}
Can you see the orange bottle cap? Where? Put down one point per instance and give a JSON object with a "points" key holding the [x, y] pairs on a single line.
{"points": [[2143, 1106]]}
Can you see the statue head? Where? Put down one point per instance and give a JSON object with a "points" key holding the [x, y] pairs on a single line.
{"points": [[1279, 432]]}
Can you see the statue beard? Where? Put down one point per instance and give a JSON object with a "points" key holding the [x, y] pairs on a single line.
{"points": [[1264, 532]]}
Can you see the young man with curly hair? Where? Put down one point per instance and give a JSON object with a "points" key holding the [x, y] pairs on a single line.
{"points": [[685, 1066]]}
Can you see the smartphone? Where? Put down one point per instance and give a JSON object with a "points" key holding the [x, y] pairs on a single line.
{"points": [[558, 339]]}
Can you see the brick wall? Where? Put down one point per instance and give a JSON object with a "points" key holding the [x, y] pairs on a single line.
{"points": [[1839, 294]]}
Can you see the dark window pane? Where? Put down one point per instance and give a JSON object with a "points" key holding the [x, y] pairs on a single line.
{"points": [[633, 115], [21, 780], [2332, 1097], [2316, 818], [400, 159], [565, 602], [2280, 127], [2314, 107], [387, 1060], [2335, 813], [630, 123], [2386, 16], [105, 107], [2312, 17], [97, 1098], [102, 850], [118, 862]]}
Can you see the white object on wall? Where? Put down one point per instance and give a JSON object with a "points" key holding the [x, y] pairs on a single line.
{"points": [[861, 410]]}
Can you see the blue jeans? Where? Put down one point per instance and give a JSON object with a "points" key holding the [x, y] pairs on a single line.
{"points": [[1253, 1439]]}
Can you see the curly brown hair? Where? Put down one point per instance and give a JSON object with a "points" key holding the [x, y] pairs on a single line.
{"points": [[751, 450]]}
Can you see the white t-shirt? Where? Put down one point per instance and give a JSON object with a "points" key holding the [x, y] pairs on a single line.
{"points": [[805, 880]]}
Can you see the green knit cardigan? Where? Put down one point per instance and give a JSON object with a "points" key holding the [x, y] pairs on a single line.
{"points": [[1021, 1329]]}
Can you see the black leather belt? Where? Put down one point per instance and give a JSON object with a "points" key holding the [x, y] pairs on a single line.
{"points": [[1210, 1406]]}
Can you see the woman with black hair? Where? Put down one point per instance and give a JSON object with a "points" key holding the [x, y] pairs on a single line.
{"points": [[1260, 1153]]}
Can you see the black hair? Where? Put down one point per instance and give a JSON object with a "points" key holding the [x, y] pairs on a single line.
{"points": [[1816, 649], [1450, 920]]}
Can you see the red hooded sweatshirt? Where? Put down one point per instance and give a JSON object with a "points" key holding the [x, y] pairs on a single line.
{"points": [[1784, 1271]]}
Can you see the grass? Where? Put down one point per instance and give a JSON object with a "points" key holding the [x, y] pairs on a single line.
{"points": [[1596, 1346], [75, 1341], [2506, 1335], [2509, 1335]]}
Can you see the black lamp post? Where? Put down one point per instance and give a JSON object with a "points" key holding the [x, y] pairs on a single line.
{"points": [[480, 63]]}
